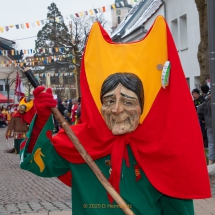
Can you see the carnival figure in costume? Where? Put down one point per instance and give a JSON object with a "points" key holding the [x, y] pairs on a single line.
{"points": [[7, 114], [18, 126], [131, 126]]}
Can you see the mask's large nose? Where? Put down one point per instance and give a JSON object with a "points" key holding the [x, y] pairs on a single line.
{"points": [[117, 108]]}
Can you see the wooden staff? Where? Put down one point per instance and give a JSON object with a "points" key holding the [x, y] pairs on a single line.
{"points": [[122, 204]]}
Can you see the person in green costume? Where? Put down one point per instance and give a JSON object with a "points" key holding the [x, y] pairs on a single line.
{"points": [[122, 99]]}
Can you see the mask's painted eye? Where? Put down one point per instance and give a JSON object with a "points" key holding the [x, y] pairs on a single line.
{"points": [[109, 102], [128, 103]]}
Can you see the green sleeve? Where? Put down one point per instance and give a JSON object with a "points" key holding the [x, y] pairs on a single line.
{"points": [[44, 160], [176, 206]]}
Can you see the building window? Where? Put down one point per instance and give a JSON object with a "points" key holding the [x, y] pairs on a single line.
{"points": [[69, 80], [1, 88], [55, 80], [118, 20], [183, 32], [188, 82], [66, 79], [174, 29], [43, 80], [197, 82]]}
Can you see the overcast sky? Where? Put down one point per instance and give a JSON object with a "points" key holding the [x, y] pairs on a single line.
{"points": [[24, 11]]}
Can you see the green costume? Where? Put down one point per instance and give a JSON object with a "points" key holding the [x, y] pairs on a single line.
{"points": [[88, 196]]}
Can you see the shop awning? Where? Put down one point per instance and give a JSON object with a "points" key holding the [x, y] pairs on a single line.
{"points": [[3, 99]]}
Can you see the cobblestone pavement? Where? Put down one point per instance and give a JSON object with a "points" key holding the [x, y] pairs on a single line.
{"points": [[22, 192], [212, 180]]}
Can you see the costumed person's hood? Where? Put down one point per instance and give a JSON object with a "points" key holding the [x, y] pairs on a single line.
{"points": [[167, 144], [29, 113]]}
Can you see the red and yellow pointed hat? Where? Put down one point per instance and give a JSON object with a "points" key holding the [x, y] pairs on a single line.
{"points": [[167, 144]]}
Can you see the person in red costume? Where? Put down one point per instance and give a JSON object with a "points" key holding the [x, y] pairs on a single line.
{"points": [[2, 119], [18, 127], [74, 111], [132, 127]]}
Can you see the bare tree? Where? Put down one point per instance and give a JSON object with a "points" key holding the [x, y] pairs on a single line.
{"points": [[28, 88], [70, 43], [79, 31]]}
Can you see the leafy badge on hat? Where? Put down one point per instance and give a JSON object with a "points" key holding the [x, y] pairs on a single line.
{"points": [[165, 74]]}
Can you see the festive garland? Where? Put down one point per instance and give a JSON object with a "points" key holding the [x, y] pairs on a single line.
{"points": [[91, 12]]}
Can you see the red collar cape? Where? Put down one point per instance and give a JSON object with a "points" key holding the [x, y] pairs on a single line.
{"points": [[167, 144]]}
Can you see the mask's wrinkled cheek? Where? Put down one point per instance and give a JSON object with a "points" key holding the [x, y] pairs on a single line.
{"points": [[106, 115]]}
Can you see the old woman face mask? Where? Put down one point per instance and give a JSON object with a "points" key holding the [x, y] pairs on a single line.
{"points": [[121, 110]]}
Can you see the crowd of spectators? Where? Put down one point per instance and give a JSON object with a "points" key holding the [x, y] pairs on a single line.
{"points": [[70, 110], [6, 113], [202, 102]]}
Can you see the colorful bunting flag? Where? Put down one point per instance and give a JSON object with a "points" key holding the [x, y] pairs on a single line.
{"points": [[61, 19], [113, 6], [96, 11], [81, 14], [91, 12], [32, 60]]}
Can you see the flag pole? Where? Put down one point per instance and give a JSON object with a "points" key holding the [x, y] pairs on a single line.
{"points": [[19, 87]]}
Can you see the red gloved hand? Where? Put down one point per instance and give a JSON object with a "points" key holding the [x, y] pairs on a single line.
{"points": [[43, 101], [6, 136]]}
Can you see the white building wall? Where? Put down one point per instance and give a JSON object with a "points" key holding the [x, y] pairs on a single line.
{"points": [[183, 20], [175, 10], [186, 38]]}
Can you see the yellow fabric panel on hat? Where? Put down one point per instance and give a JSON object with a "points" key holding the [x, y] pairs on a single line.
{"points": [[128, 57]]}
